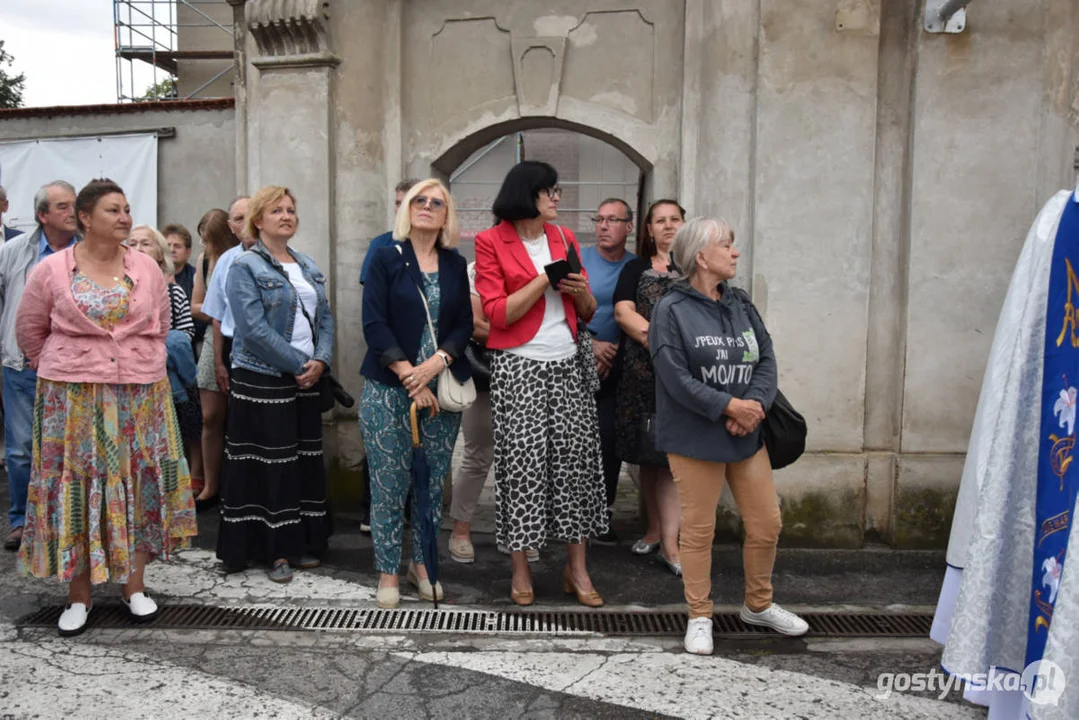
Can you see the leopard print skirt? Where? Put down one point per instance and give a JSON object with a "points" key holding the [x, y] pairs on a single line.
{"points": [[548, 479]]}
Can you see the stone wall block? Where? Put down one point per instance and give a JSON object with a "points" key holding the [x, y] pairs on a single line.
{"points": [[537, 70], [611, 62], [812, 242], [925, 493], [861, 16], [475, 49]]}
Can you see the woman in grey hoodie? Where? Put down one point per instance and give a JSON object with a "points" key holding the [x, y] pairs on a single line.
{"points": [[715, 379]]}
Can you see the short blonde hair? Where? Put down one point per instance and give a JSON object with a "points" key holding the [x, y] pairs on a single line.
{"points": [[402, 227], [164, 259], [262, 201], [693, 237]]}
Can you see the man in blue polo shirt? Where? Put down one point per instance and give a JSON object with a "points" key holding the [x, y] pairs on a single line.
{"points": [[604, 262]]}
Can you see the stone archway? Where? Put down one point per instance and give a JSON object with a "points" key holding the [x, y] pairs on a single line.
{"points": [[592, 166], [463, 148]]}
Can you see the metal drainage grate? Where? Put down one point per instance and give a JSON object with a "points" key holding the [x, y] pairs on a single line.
{"points": [[483, 622]]}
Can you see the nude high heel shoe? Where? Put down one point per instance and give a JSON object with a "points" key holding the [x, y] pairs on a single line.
{"points": [[590, 599]]}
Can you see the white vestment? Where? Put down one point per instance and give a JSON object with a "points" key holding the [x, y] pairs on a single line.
{"points": [[984, 607]]}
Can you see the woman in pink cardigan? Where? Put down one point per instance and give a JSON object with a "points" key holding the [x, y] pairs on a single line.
{"points": [[109, 486]]}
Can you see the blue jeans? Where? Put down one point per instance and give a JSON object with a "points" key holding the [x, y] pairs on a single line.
{"points": [[20, 387]]}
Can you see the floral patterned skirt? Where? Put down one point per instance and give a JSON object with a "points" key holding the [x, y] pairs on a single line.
{"points": [[108, 479]]}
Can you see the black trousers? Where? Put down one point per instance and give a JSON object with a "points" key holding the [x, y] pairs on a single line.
{"points": [[612, 464]]}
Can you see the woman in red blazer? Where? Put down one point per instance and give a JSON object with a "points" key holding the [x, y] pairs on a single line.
{"points": [[546, 436]]}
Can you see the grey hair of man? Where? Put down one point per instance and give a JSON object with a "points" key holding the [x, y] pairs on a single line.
{"points": [[405, 185], [620, 201], [235, 200], [41, 197], [693, 237]]}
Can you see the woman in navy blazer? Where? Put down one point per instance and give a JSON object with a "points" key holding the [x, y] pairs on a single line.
{"points": [[401, 367]]}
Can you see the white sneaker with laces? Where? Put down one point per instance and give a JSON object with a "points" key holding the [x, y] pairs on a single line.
{"points": [[775, 617], [699, 636]]}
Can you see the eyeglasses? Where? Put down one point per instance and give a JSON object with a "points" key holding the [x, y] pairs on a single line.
{"points": [[552, 193], [421, 201], [598, 220]]}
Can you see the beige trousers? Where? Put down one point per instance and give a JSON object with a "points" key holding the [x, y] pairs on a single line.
{"points": [[699, 485]]}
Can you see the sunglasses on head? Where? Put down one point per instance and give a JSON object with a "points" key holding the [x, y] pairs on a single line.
{"points": [[422, 201]]}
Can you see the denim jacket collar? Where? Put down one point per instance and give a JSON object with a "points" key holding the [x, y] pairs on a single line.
{"points": [[260, 248]]}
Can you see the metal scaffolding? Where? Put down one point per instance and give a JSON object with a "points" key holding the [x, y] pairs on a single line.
{"points": [[148, 36]]}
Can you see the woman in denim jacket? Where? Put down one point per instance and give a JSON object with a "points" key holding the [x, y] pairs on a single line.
{"points": [[273, 489]]}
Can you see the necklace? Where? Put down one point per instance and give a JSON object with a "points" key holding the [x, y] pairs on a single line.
{"points": [[94, 262]]}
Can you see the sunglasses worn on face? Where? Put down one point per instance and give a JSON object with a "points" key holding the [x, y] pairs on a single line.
{"points": [[422, 201], [552, 193]]}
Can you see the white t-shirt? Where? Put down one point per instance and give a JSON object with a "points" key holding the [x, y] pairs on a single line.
{"points": [[302, 339], [553, 341]]}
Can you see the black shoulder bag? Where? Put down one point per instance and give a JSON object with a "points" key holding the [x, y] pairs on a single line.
{"points": [[784, 427], [477, 357]]}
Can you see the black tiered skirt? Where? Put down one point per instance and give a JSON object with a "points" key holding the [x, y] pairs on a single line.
{"points": [[273, 481]]}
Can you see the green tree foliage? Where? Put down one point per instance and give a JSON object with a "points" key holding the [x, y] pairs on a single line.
{"points": [[164, 90], [11, 86]]}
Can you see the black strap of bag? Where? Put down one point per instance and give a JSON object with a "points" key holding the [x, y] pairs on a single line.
{"points": [[586, 358], [330, 391], [477, 357], [783, 427]]}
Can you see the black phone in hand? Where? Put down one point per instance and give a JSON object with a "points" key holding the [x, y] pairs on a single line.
{"points": [[557, 271], [573, 259]]}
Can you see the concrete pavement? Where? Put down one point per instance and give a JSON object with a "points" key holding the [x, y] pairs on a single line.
{"points": [[156, 673]]}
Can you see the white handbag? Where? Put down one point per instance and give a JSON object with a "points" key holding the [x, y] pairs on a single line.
{"points": [[453, 395]]}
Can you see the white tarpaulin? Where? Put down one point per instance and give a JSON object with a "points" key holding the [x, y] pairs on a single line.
{"points": [[130, 160]]}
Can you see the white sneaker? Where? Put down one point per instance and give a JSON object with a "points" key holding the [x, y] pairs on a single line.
{"points": [[73, 619], [775, 617], [141, 607], [699, 636]]}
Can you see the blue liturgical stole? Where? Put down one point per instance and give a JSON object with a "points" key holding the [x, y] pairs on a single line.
{"points": [[1056, 474]]}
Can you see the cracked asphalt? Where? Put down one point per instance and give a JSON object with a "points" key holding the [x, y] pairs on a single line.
{"points": [[156, 673]]}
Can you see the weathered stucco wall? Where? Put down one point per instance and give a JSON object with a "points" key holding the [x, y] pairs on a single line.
{"points": [[195, 171], [990, 144]]}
